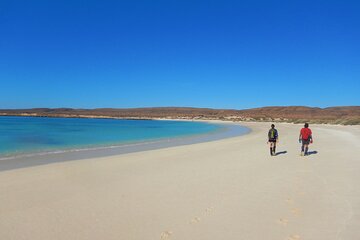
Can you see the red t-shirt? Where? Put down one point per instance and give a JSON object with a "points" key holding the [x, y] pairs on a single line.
{"points": [[305, 133]]}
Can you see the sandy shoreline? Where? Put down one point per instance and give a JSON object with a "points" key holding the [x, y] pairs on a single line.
{"points": [[226, 130], [226, 189]]}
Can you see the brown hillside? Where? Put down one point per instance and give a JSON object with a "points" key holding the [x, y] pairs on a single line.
{"points": [[336, 115]]}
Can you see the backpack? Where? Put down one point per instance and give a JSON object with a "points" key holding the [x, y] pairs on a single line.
{"points": [[305, 133], [272, 133]]}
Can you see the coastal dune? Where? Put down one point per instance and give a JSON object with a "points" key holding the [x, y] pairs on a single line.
{"points": [[225, 189]]}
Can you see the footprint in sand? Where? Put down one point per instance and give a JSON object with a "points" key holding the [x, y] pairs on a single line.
{"points": [[294, 237], [209, 210], [289, 200], [195, 220], [296, 211], [166, 235], [283, 221]]}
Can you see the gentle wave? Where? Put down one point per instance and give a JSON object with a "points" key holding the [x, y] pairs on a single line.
{"points": [[81, 149]]}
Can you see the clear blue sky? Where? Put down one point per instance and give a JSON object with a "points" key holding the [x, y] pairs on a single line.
{"points": [[217, 54]]}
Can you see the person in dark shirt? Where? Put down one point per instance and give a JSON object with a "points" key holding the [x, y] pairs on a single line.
{"points": [[272, 139], [305, 138]]}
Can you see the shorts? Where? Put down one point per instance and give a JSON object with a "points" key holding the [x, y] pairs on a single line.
{"points": [[272, 140], [305, 141]]}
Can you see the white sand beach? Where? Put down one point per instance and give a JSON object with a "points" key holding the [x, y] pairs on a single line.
{"points": [[226, 189]]}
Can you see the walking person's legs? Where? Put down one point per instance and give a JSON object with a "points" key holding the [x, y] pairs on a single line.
{"points": [[271, 148], [306, 149], [274, 148], [302, 148]]}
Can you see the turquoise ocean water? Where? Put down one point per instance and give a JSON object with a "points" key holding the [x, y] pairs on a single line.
{"points": [[23, 135]]}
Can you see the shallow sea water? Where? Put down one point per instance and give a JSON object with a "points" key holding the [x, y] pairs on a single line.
{"points": [[23, 135]]}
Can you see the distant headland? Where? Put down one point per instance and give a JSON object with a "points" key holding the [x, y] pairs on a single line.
{"points": [[347, 115]]}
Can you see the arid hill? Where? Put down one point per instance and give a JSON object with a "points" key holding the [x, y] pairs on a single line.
{"points": [[334, 115]]}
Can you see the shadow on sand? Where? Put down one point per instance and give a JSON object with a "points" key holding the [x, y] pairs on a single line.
{"points": [[283, 152], [312, 152]]}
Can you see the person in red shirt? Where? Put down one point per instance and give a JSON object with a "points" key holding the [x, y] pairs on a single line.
{"points": [[305, 138]]}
